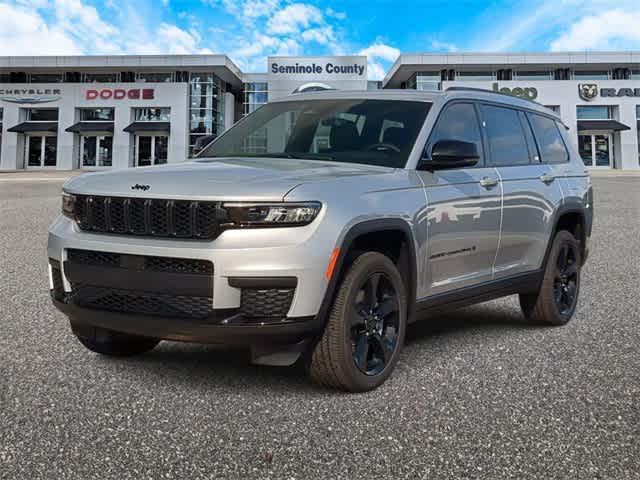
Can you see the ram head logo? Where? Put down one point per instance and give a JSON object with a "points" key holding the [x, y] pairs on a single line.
{"points": [[588, 91]]}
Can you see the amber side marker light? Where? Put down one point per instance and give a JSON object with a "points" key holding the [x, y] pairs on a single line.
{"points": [[332, 263]]}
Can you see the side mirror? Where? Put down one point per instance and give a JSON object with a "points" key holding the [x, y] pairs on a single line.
{"points": [[447, 154]]}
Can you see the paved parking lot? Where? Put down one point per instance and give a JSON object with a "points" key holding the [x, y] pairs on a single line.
{"points": [[477, 394]]}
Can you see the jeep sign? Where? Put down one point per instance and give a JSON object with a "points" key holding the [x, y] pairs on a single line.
{"points": [[529, 93]]}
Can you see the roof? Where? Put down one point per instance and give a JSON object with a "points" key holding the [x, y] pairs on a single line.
{"points": [[221, 65], [408, 63]]}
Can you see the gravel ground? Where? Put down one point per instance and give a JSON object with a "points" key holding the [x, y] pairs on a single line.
{"points": [[477, 393]]}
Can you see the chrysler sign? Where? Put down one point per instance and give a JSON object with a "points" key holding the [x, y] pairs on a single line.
{"points": [[30, 95], [120, 94]]}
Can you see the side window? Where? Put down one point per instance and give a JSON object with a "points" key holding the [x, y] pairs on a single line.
{"points": [[458, 122], [550, 143], [507, 144], [534, 156]]}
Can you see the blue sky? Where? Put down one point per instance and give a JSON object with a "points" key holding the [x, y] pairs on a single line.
{"points": [[248, 31]]}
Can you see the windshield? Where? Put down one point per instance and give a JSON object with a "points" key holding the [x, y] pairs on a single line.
{"points": [[377, 132]]}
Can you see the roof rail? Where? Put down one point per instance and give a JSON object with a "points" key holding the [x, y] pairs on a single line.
{"points": [[475, 89]]}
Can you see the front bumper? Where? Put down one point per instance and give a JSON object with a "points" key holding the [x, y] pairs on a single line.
{"points": [[245, 265], [229, 330]]}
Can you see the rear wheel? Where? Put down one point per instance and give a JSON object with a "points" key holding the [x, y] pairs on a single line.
{"points": [[556, 301], [365, 331], [107, 342]]}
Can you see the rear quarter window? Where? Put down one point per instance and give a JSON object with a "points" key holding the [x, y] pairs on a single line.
{"points": [[550, 143]]}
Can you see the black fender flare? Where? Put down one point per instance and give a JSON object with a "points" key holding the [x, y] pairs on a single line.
{"points": [[356, 230], [572, 207]]}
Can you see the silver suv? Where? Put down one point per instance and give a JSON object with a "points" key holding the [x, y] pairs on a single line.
{"points": [[320, 226]]}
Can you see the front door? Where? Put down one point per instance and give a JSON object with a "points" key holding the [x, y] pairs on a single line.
{"points": [[96, 150], [151, 150], [41, 151], [463, 210], [596, 150]]}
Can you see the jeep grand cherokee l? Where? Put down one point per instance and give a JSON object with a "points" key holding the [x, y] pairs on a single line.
{"points": [[322, 224]]}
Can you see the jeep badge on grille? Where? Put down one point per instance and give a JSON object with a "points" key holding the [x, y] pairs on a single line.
{"points": [[137, 186]]}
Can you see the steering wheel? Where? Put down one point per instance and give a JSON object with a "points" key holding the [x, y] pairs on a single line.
{"points": [[382, 146]]}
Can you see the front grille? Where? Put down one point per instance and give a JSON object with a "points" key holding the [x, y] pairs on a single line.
{"points": [[149, 217], [266, 303], [106, 292], [140, 302], [144, 262]]}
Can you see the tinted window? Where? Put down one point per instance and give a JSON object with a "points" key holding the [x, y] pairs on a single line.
{"points": [[531, 142], [458, 122], [379, 132], [550, 143], [507, 144]]}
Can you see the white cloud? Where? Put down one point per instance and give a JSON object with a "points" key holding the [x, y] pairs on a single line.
{"points": [[321, 35], [293, 18], [614, 29], [25, 32], [332, 13], [379, 55], [443, 46]]}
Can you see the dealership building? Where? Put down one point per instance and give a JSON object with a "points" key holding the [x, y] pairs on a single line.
{"points": [[103, 112]]}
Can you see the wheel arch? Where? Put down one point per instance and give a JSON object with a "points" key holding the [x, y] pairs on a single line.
{"points": [[350, 243], [571, 217]]}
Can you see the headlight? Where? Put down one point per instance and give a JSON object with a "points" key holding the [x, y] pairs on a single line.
{"points": [[270, 215], [68, 205]]}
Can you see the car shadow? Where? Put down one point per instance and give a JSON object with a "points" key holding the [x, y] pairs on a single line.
{"points": [[214, 366]]}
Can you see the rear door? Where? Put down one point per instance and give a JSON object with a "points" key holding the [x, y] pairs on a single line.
{"points": [[529, 195], [463, 209]]}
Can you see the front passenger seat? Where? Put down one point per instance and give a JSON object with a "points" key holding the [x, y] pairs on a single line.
{"points": [[344, 136]]}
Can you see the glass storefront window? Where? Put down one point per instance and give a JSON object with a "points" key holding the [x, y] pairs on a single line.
{"points": [[42, 114], [152, 114], [475, 76], [105, 77], [206, 107], [96, 150], [255, 95], [534, 75], [425, 81], [154, 77], [97, 114], [45, 77], [594, 112], [591, 75], [41, 151]]}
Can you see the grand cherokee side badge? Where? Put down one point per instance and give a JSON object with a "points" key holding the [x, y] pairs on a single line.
{"points": [[137, 186]]}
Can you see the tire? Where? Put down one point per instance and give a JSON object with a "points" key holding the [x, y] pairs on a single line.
{"points": [[555, 302], [372, 338], [114, 344]]}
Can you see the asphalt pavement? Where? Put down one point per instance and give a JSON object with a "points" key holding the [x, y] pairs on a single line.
{"points": [[477, 394]]}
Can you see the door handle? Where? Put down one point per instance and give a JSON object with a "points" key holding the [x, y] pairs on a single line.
{"points": [[487, 182], [546, 178]]}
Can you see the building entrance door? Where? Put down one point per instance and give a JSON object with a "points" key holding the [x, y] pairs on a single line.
{"points": [[41, 151], [596, 150], [151, 150], [96, 150]]}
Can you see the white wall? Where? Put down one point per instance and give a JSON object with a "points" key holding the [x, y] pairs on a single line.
{"points": [[172, 95]]}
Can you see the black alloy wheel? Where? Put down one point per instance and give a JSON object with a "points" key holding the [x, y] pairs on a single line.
{"points": [[375, 320], [365, 329], [565, 285], [556, 300]]}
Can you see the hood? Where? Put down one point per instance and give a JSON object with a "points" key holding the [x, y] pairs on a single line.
{"points": [[229, 179]]}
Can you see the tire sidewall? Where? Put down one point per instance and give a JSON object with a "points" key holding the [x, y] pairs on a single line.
{"points": [[562, 238], [365, 265]]}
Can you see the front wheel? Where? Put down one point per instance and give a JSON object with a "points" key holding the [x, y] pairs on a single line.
{"points": [[365, 331], [555, 302], [116, 344]]}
